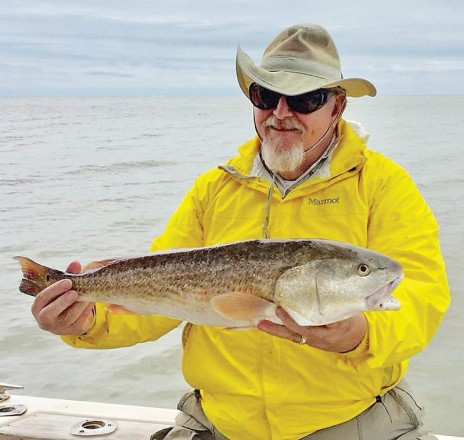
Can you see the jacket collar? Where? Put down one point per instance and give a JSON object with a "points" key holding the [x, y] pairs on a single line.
{"points": [[349, 154]]}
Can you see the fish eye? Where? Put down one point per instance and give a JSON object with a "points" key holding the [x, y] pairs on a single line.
{"points": [[364, 270]]}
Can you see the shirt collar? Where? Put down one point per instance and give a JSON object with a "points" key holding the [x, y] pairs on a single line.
{"points": [[320, 168]]}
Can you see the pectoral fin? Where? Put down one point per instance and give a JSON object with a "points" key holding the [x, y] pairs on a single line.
{"points": [[242, 306]]}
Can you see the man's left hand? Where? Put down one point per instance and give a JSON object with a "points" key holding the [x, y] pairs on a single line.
{"points": [[341, 336]]}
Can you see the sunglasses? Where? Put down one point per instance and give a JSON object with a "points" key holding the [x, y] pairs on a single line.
{"points": [[306, 103]]}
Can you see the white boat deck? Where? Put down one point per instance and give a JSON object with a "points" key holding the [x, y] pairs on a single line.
{"points": [[54, 419]]}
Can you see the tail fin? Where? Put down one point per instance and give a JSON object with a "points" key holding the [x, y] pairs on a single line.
{"points": [[35, 276]]}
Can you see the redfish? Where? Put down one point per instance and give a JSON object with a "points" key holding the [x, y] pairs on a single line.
{"points": [[238, 284]]}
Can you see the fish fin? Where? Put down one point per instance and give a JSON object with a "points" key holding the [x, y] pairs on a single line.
{"points": [[35, 276], [117, 309], [97, 264], [242, 306]]}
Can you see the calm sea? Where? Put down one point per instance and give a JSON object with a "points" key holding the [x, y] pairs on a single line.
{"points": [[89, 178]]}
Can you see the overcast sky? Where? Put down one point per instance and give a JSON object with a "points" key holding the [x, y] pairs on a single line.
{"points": [[163, 47]]}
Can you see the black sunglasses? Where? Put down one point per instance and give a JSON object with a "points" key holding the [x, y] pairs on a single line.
{"points": [[266, 99]]}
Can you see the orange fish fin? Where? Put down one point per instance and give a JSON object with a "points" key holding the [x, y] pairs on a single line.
{"points": [[242, 306], [97, 264], [35, 276], [116, 308]]}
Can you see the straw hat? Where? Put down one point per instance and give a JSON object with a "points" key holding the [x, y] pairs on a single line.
{"points": [[300, 59]]}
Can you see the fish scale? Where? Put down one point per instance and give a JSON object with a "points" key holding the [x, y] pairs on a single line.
{"points": [[237, 284]]}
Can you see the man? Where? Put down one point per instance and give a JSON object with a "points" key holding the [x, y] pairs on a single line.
{"points": [[306, 174]]}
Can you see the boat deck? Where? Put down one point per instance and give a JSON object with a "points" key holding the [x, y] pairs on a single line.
{"points": [[56, 419], [53, 419]]}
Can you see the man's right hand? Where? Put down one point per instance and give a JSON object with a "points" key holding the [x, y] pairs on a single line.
{"points": [[57, 309]]}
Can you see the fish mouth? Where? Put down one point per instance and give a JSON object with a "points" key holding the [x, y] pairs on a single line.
{"points": [[382, 299]]}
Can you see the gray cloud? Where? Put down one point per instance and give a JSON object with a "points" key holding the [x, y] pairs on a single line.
{"points": [[163, 47]]}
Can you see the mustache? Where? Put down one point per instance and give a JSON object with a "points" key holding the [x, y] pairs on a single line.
{"points": [[283, 124]]}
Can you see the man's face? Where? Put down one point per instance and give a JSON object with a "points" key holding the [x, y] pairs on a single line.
{"points": [[286, 134]]}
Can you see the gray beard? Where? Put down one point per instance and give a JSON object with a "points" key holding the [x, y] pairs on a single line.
{"points": [[281, 159]]}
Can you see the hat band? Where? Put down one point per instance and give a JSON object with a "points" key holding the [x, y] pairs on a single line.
{"points": [[299, 65]]}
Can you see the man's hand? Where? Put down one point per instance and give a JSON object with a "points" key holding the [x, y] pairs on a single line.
{"points": [[57, 310], [340, 337]]}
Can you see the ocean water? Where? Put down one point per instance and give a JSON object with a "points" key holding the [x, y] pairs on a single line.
{"points": [[89, 178]]}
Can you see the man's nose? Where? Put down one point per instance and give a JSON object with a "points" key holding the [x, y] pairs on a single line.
{"points": [[282, 110]]}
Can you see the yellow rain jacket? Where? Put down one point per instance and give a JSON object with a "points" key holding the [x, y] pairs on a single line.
{"points": [[257, 386]]}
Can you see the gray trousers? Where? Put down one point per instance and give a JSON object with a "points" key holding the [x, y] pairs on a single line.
{"points": [[396, 415]]}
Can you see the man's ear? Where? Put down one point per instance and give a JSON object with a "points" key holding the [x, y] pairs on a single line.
{"points": [[339, 106]]}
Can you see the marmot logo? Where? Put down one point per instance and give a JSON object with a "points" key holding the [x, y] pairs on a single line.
{"points": [[324, 201]]}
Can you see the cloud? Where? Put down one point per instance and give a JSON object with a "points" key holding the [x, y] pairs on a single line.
{"points": [[164, 47]]}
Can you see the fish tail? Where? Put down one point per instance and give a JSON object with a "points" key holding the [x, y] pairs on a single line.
{"points": [[35, 276]]}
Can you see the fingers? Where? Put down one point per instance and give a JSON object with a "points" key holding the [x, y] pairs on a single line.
{"points": [[57, 309], [341, 336], [51, 294], [74, 267], [289, 330], [64, 315], [77, 319], [288, 321]]}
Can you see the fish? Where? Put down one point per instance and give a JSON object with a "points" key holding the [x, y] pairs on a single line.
{"points": [[238, 284]]}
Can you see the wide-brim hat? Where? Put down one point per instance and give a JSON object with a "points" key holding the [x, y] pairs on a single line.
{"points": [[300, 59]]}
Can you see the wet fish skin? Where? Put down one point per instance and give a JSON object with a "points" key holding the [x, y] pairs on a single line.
{"points": [[238, 284]]}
